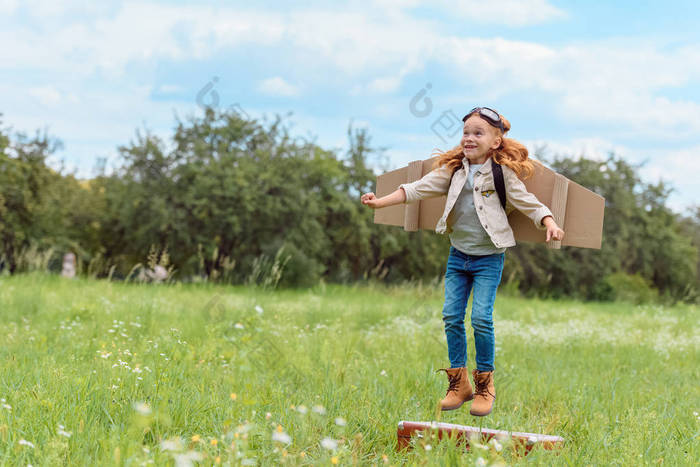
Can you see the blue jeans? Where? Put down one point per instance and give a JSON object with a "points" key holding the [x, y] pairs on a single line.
{"points": [[483, 274]]}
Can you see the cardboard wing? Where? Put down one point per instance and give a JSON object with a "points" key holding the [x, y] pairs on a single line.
{"points": [[577, 210]]}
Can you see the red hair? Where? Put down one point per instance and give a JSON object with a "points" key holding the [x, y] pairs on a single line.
{"points": [[510, 153]]}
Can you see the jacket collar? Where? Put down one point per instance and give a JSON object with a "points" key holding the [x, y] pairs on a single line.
{"points": [[485, 168]]}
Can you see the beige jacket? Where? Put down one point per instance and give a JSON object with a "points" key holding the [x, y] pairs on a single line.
{"points": [[439, 182]]}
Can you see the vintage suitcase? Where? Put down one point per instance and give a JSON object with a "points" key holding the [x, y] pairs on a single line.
{"points": [[522, 442]]}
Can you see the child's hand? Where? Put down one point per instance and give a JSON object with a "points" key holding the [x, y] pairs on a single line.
{"points": [[553, 230], [370, 200], [554, 233]]}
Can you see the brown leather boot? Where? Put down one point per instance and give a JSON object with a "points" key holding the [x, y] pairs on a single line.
{"points": [[460, 389], [485, 393]]}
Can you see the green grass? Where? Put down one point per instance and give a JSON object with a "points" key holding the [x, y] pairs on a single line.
{"points": [[134, 372]]}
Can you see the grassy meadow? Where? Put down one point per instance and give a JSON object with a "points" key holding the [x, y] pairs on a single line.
{"points": [[105, 373]]}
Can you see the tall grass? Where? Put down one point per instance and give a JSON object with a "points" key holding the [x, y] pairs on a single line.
{"points": [[105, 373]]}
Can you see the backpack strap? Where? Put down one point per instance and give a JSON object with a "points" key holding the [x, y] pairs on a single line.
{"points": [[498, 181]]}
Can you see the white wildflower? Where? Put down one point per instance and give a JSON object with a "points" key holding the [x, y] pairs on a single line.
{"points": [[496, 445], [142, 408], [480, 461], [24, 442], [282, 437], [340, 421], [172, 444], [329, 443], [239, 326], [428, 447], [258, 308], [319, 409], [7, 406], [382, 373], [244, 428], [302, 409], [185, 460]]}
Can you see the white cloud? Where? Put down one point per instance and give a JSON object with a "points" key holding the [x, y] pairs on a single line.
{"points": [[378, 52], [46, 95], [386, 84], [277, 86], [354, 42], [683, 164], [137, 31], [616, 84], [508, 12], [7, 7], [679, 168], [90, 126], [505, 12], [612, 83], [499, 63], [590, 148], [170, 88], [397, 4], [672, 166]]}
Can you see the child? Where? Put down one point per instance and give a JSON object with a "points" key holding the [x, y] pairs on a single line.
{"points": [[479, 234]]}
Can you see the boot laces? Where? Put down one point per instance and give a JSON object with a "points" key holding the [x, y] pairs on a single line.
{"points": [[482, 387], [453, 379]]}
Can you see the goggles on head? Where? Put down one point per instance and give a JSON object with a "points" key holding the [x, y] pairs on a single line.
{"points": [[490, 115]]}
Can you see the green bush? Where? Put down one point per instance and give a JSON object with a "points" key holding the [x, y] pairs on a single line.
{"points": [[300, 269], [632, 288], [602, 291]]}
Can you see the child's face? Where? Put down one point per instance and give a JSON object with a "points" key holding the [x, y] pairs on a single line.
{"points": [[478, 138]]}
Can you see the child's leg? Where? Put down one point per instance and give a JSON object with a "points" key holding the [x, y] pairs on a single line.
{"points": [[458, 284], [487, 275]]}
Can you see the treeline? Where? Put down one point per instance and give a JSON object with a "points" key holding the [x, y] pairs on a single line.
{"points": [[239, 200]]}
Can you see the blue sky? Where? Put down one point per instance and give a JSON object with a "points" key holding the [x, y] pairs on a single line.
{"points": [[579, 77]]}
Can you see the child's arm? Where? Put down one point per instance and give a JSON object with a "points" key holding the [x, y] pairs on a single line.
{"points": [[524, 201], [373, 202], [434, 183]]}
